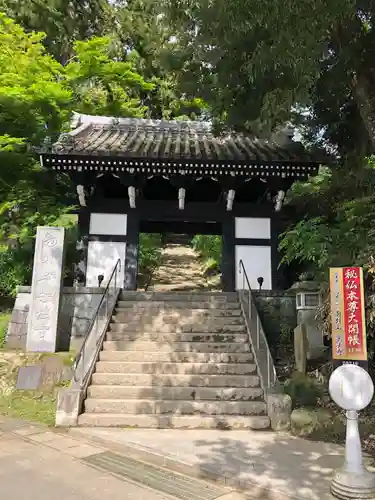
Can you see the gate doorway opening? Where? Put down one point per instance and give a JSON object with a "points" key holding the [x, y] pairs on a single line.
{"points": [[179, 256]]}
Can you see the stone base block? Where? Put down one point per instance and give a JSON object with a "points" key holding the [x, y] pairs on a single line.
{"points": [[351, 486], [279, 410], [68, 407]]}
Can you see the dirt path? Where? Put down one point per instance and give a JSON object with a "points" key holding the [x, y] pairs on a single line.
{"points": [[179, 270]]}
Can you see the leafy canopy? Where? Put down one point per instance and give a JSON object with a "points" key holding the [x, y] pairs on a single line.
{"points": [[103, 85]]}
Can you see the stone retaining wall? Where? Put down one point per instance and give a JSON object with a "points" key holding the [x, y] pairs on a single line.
{"points": [[277, 311], [78, 306]]}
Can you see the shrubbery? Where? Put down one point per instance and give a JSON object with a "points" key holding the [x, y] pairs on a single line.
{"points": [[209, 248], [16, 261], [304, 390], [15, 269], [150, 246]]}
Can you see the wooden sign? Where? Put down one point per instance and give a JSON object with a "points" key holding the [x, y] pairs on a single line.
{"points": [[348, 316]]}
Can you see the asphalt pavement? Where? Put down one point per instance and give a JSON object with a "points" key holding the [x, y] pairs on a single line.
{"points": [[32, 471]]}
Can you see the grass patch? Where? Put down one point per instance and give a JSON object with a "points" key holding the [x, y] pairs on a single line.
{"points": [[37, 406], [4, 320], [29, 405]]}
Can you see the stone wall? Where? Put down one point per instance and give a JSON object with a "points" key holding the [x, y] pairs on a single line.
{"points": [[277, 311], [78, 306]]}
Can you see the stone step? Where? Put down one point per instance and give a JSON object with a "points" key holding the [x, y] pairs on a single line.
{"points": [[173, 380], [175, 368], [166, 314], [172, 393], [189, 305], [177, 347], [176, 296], [176, 357], [163, 337], [174, 422], [168, 328], [152, 407], [158, 319]]}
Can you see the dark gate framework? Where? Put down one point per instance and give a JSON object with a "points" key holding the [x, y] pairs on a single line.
{"points": [[165, 217], [180, 227], [177, 174]]}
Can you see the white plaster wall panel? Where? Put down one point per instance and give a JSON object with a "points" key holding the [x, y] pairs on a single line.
{"points": [[108, 224], [250, 227], [101, 259], [257, 262]]}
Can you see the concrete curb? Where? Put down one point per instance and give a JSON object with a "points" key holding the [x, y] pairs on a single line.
{"points": [[250, 489]]}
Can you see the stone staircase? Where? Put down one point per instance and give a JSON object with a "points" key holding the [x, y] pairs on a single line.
{"points": [[176, 360]]}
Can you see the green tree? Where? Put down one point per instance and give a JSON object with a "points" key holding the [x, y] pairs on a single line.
{"points": [[63, 21], [260, 64], [34, 103], [144, 36], [253, 62], [103, 85]]}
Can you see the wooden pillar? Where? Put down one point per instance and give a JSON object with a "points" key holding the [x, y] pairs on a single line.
{"points": [[82, 246], [228, 265], [278, 278], [132, 252]]}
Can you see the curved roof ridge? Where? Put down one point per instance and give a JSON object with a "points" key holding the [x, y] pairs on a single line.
{"points": [[195, 126]]}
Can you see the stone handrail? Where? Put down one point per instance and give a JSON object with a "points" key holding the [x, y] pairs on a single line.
{"points": [[69, 401], [259, 344]]}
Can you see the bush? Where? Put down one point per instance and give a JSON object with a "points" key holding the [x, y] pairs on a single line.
{"points": [[150, 246], [209, 248], [16, 266], [16, 259], [304, 390], [4, 320]]}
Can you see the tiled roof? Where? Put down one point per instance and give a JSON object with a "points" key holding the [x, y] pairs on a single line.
{"points": [[171, 141]]}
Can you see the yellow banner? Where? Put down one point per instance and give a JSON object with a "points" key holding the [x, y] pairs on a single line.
{"points": [[337, 313], [348, 314]]}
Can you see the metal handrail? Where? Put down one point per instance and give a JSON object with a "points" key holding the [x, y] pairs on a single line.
{"points": [[94, 327], [260, 347]]}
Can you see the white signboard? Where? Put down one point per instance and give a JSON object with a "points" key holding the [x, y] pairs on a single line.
{"points": [[351, 387]]}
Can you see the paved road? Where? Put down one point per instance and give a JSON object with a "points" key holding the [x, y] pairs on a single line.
{"points": [[33, 471]]}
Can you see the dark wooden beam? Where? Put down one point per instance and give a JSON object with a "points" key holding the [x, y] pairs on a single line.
{"points": [[132, 252], [180, 227], [82, 246]]}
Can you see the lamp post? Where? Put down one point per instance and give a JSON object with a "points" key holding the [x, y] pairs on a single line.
{"points": [[352, 389], [260, 281]]}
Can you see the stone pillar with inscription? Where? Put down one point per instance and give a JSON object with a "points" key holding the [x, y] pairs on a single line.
{"points": [[42, 329]]}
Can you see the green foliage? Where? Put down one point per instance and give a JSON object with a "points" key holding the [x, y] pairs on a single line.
{"points": [[304, 390], [150, 246], [337, 229], [280, 59], [38, 94], [4, 321], [209, 248], [63, 21], [34, 102], [144, 37], [102, 85], [16, 260], [15, 269], [32, 97]]}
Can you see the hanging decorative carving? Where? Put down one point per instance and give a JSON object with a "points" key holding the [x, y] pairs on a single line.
{"points": [[65, 142]]}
